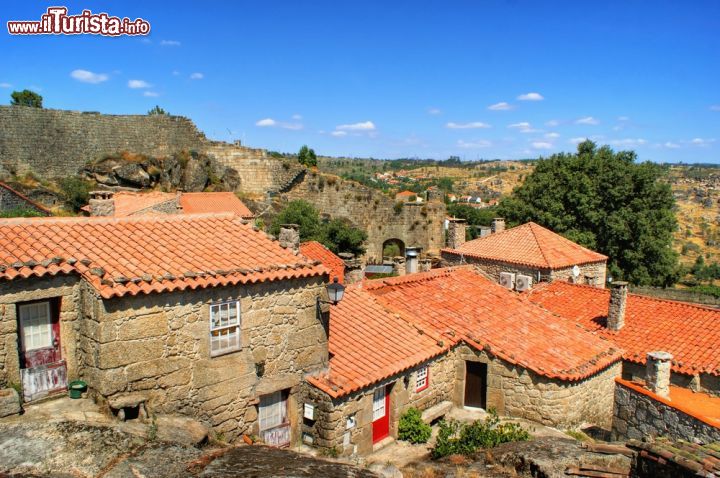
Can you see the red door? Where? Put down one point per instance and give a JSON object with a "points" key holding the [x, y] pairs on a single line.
{"points": [[39, 334], [381, 413]]}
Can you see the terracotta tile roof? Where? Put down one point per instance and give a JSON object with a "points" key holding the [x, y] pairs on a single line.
{"points": [[702, 406], [145, 254], [531, 245], [459, 302], [32, 203], [689, 332], [369, 343], [193, 203], [405, 194], [316, 251], [678, 458], [129, 203]]}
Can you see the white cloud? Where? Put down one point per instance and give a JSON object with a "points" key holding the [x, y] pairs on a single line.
{"points": [[482, 143], [552, 135], [542, 145], [471, 125], [86, 76], [671, 145], [5, 85], [623, 118], [715, 108], [169, 43], [135, 84], [151, 94], [297, 117], [502, 106], [631, 142], [145, 40], [291, 126], [701, 141], [531, 97], [339, 134], [587, 120], [552, 123], [175, 73], [577, 140], [523, 127], [197, 76], [434, 111], [362, 126], [266, 122]]}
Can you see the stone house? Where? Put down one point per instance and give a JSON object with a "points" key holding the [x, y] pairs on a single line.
{"points": [[199, 315], [525, 254], [639, 325], [12, 201], [452, 337]]}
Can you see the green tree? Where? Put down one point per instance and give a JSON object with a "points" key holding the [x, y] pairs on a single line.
{"points": [[339, 235], [474, 217], [76, 192], [307, 157], [607, 202], [26, 98], [301, 213], [157, 111]]}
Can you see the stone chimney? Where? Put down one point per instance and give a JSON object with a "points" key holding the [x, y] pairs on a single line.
{"points": [[657, 373], [412, 257], [289, 237], [498, 225], [399, 265], [618, 302], [425, 265], [102, 203], [353, 268], [455, 233]]}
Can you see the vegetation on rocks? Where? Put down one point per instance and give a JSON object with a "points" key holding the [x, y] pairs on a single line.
{"points": [[412, 428], [307, 157], [20, 212], [75, 191], [26, 98]]}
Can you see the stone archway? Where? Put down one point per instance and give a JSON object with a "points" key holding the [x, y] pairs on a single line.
{"points": [[393, 247]]}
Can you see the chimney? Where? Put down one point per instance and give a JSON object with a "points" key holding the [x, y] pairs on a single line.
{"points": [[456, 233], [498, 225], [102, 203], [290, 236], [425, 265], [353, 268], [657, 373], [616, 309], [411, 259], [399, 265]]}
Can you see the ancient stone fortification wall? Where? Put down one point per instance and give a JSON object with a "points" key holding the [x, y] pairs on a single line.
{"points": [[415, 224], [158, 345], [65, 288], [638, 415], [57, 143], [518, 392], [330, 428]]}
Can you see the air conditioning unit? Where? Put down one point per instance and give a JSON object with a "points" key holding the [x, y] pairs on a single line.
{"points": [[507, 280], [523, 283]]}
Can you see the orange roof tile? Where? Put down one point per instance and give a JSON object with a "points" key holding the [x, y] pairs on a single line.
{"points": [[689, 332], [369, 343], [461, 302], [129, 203], [405, 193], [531, 245], [315, 250], [193, 203], [700, 405], [145, 254], [34, 204]]}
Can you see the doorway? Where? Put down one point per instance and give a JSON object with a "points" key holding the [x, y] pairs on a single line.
{"points": [[476, 385]]}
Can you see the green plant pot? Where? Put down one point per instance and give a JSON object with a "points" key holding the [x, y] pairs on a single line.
{"points": [[77, 388]]}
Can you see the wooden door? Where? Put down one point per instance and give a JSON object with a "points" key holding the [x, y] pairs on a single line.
{"points": [[476, 384], [381, 413], [39, 328]]}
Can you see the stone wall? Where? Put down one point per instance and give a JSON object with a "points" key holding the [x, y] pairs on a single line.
{"points": [[415, 224], [639, 413], [65, 288], [158, 346], [703, 382], [329, 430], [518, 392], [493, 268], [9, 201]]}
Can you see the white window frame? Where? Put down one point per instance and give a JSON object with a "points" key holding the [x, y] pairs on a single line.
{"points": [[36, 327], [224, 330], [379, 410], [272, 411], [422, 378]]}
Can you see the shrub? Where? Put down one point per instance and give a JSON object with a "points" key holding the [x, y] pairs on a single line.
{"points": [[456, 438], [412, 428], [76, 192], [398, 207]]}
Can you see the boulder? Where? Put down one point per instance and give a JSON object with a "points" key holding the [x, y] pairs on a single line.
{"points": [[196, 175], [183, 430], [9, 402], [134, 175]]}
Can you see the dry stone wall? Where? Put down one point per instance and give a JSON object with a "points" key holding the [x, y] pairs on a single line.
{"points": [[10, 201], [379, 215]]}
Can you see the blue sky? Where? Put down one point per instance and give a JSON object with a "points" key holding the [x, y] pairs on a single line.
{"points": [[477, 79]]}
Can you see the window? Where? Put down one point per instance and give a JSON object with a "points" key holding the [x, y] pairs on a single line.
{"points": [[224, 327], [36, 328], [273, 419], [422, 379], [379, 403]]}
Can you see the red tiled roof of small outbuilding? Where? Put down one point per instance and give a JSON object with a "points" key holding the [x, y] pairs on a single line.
{"points": [[316, 251]]}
